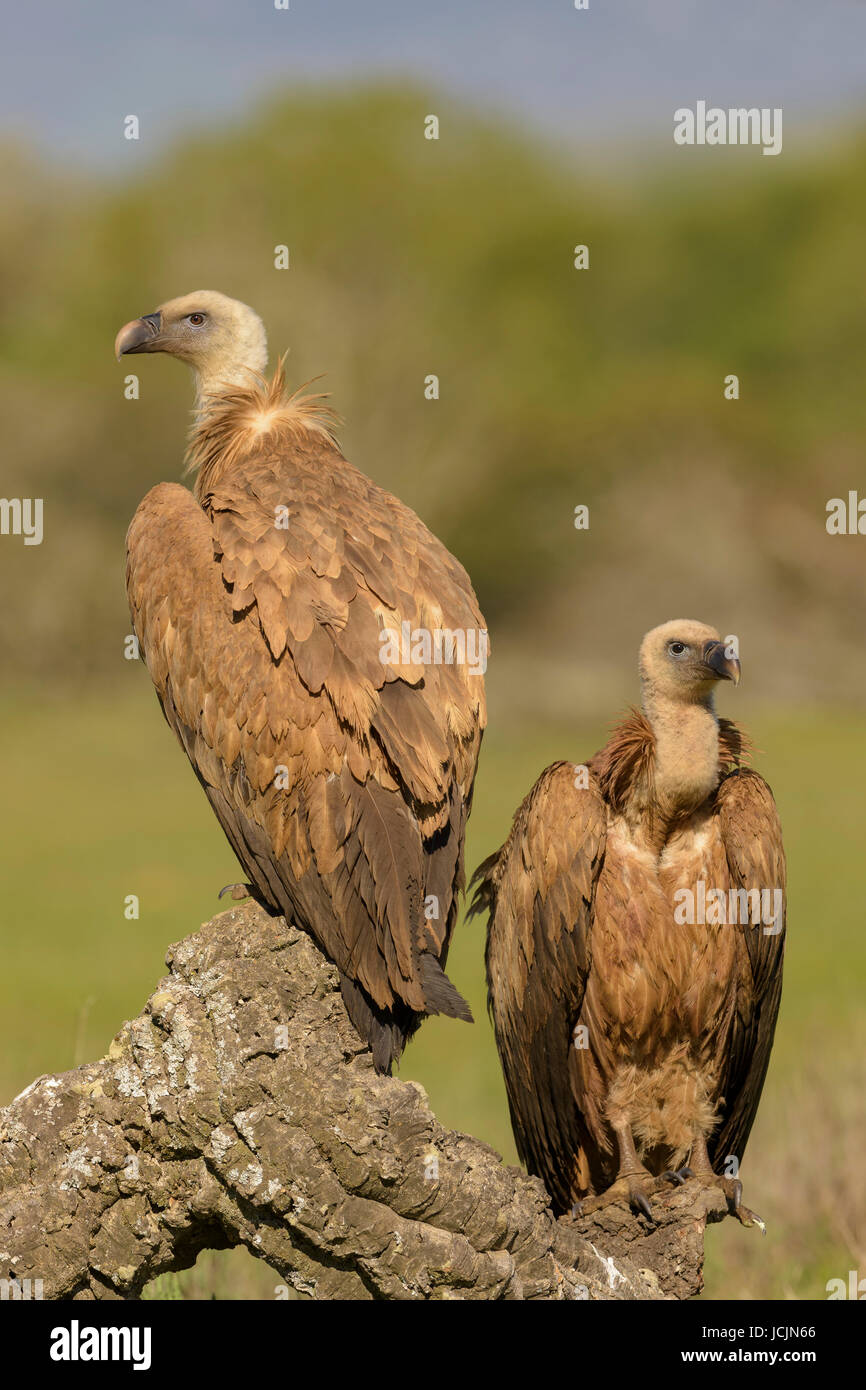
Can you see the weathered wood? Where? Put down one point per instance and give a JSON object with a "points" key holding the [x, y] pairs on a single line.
{"points": [[241, 1108]]}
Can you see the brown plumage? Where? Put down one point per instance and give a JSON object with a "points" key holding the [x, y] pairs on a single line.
{"points": [[632, 1039], [342, 781]]}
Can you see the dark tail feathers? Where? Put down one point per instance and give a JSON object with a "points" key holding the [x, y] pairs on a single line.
{"points": [[440, 995], [387, 1031]]}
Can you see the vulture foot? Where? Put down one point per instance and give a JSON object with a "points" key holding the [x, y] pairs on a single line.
{"points": [[238, 891], [633, 1189], [733, 1190]]}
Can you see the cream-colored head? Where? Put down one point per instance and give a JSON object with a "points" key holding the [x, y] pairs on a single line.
{"points": [[681, 662], [222, 340]]}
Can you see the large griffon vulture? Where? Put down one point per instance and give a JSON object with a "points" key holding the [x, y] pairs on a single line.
{"points": [[339, 762], [634, 995]]}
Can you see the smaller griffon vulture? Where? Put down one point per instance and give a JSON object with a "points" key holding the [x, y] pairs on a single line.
{"points": [[634, 949], [338, 759]]}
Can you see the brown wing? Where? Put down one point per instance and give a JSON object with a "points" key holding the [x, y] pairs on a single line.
{"points": [[343, 783], [539, 890], [752, 837]]}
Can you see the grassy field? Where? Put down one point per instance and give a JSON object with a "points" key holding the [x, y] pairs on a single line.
{"points": [[100, 804]]}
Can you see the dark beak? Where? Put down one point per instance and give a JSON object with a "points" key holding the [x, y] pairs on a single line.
{"points": [[138, 336], [723, 667]]}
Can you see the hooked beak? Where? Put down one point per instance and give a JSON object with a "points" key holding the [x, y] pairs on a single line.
{"points": [[723, 667], [139, 335]]}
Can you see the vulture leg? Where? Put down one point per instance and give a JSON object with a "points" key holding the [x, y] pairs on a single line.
{"points": [[732, 1188], [633, 1182]]}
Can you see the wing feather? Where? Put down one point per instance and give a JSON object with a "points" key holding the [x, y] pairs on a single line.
{"points": [[539, 891], [752, 837]]}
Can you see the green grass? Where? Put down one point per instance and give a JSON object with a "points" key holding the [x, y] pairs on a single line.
{"points": [[101, 804]]}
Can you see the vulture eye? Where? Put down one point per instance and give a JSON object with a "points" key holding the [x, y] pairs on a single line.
{"points": [[676, 648], [196, 318]]}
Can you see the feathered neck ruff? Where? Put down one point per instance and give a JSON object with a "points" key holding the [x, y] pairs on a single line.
{"points": [[236, 421], [625, 767]]}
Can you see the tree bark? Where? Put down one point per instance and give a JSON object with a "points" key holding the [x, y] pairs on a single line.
{"points": [[240, 1108]]}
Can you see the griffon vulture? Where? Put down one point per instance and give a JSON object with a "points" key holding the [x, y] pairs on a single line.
{"points": [[339, 761], [633, 993]]}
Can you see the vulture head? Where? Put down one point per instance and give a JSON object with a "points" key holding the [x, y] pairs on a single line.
{"points": [[681, 661], [680, 664], [222, 340]]}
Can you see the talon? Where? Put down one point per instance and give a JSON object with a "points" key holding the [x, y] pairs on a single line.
{"points": [[640, 1201], [238, 891], [749, 1218], [733, 1190], [678, 1176]]}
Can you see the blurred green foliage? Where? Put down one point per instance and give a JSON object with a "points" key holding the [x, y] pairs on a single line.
{"points": [[455, 257]]}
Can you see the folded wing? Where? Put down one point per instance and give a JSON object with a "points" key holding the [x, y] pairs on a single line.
{"points": [[539, 892], [342, 781], [752, 837]]}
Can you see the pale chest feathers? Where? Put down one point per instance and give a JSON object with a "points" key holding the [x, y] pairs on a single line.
{"points": [[672, 974]]}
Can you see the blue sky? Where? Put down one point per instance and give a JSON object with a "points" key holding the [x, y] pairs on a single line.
{"points": [[616, 72]]}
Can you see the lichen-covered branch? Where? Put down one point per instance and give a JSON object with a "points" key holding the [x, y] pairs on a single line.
{"points": [[240, 1108]]}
